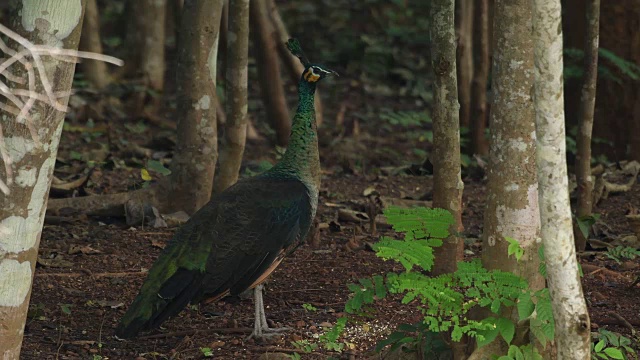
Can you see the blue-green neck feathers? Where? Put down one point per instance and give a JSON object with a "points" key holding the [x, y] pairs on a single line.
{"points": [[302, 159]]}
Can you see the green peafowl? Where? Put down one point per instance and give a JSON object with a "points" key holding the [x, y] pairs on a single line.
{"points": [[237, 239]]}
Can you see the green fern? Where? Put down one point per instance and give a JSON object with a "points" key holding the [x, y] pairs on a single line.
{"points": [[446, 300], [405, 118], [573, 65], [622, 252]]}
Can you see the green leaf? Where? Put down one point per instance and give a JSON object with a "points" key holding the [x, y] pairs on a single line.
{"points": [[66, 308], [514, 248], [507, 329], [614, 353], [599, 346], [525, 306], [585, 223], [158, 167]]}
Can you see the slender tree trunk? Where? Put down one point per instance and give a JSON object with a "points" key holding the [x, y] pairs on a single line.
{"points": [[464, 55], [27, 176], [478, 117], [196, 152], [447, 184], [585, 118], [572, 328], [264, 40], [237, 74], [146, 39], [512, 189], [292, 63], [95, 71]]}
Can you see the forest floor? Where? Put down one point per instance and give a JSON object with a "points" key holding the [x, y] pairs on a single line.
{"points": [[90, 268]]}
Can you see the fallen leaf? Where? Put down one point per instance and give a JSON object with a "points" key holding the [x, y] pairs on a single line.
{"points": [[86, 250], [158, 244]]}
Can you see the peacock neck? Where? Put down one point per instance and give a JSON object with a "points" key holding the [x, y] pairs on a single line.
{"points": [[302, 159]]}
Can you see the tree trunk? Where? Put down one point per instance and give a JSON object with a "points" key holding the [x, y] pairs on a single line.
{"points": [[447, 184], [478, 117], [292, 63], [194, 160], [146, 39], [95, 71], [512, 190], [28, 162], [464, 57], [572, 328], [237, 74], [585, 118], [264, 40]]}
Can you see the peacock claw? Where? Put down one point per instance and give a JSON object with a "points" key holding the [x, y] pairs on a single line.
{"points": [[261, 329], [264, 334]]}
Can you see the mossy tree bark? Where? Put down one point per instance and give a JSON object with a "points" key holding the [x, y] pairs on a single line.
{"points": [[28, 176], [264, 41], [464, 57], [478, 117], [585, 118], [512, 190], [235, 136], [95, 71], [447, 184], [196, 153], [572, 328]]}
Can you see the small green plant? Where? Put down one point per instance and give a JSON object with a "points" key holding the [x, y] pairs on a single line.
{"points": [[206, 352], [305, 346], [329, 339], [612, 346], [309, 307], [586, 222], [405, 118], [525, 352], [155, 166], [622, 252], [66, 308], [574, 70], [445, 300]]}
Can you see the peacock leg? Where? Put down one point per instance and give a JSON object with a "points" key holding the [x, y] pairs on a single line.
{"points": [[261, 329]]}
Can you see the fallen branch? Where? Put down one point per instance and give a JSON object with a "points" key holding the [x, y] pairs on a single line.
{"points": [[197, 332], [623, 321], [95, 275], [101, 205]]}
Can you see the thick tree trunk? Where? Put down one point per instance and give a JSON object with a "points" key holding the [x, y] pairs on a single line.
{"points": [[27, 176], [572, 328], [236, 126], [292, 63], [464, 57], [447, 184], [196, 152], [512, 189], [585, 118], [146, 39], [264, 40], [478, 117], [95, 71]]}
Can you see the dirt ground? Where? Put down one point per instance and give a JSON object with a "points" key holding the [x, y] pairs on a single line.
{"points": [[91, 268]]}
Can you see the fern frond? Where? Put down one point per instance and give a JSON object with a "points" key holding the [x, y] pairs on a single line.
{"points": [[420, 222], [409, 253]]}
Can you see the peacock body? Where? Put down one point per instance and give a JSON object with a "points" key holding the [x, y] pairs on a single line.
{"points": [[241, 235]]}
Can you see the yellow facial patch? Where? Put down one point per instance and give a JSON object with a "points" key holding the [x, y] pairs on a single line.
{"points": [[310, 76]]}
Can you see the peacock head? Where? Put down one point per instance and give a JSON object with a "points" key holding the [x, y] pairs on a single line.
{"points": [[312, 72], [315, 73]]}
